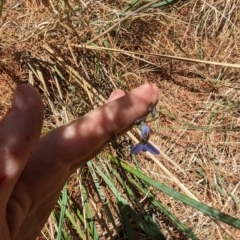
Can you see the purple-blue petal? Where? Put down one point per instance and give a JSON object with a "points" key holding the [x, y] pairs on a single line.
{"points": [[144, 147], [150, 148], [144, 133], [137, 148]]}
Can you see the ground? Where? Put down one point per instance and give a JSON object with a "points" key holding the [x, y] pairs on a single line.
{"points": [[76, 52]]}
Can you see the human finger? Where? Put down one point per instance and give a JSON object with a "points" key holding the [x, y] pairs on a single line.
{"points": [[19, 132], [59, 151], [73, 143]]}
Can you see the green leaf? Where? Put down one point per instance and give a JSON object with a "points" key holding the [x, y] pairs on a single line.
{"points": [[147, 225], [157, 204], [63, 204], [164, 3], [121, 203], [1, 6], [130, 5], [102, 197], [125, 219], [181, 197], [174, 219], [89, 216], [69, 216]]}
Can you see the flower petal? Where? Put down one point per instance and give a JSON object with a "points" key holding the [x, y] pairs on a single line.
{"points": [[150, 148], [144, 147], [145, 133], [137, 148]]}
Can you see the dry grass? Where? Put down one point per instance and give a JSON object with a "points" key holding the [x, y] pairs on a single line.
{"points": [[199, 121]]}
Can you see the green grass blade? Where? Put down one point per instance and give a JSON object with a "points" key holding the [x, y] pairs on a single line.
{"points": [[156, 5], [1, 6], [164, 3], [130, 5], [146, 224], [102, 197], [127, 189], [58, 72], [125, 219], [156, 203], [121, 203], [106, 170], [89, 216], [63, 204], [75, 209], [123, 207], [140, 170], [64, 235], [174, 219], [69, 216], [181, 197]]}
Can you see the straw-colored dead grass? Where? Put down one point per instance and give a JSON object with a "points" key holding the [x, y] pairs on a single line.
{"points": [[199, 121]]}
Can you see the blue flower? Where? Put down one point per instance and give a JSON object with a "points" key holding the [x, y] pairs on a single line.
{"points": [[145, 132], [144, 145]]}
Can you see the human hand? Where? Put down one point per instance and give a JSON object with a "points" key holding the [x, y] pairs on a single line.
{"points": [[33, 170]]}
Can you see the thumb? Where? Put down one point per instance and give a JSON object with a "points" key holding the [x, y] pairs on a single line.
{"points": [[19, 133]]}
